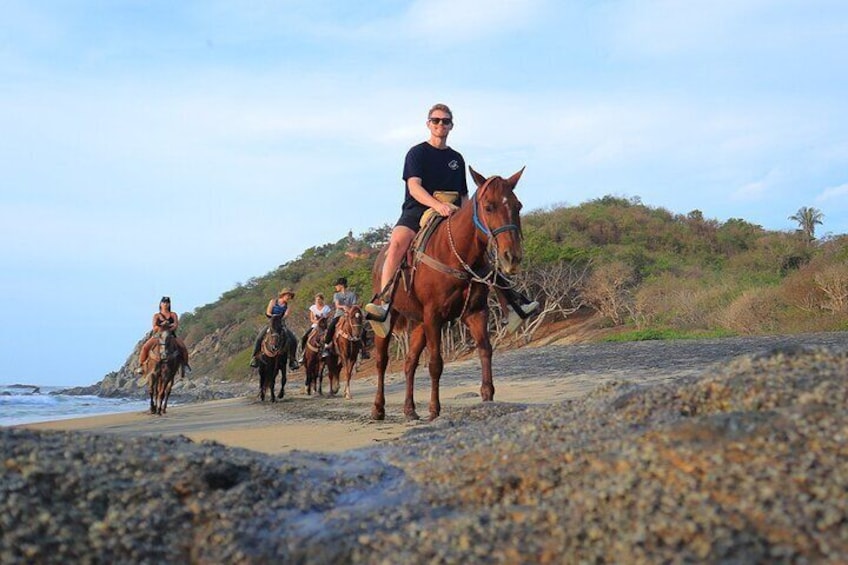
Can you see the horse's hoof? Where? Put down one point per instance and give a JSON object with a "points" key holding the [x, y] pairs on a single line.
{"points": [[378, 414], [432, 417], [412, 416], [348, 396]]}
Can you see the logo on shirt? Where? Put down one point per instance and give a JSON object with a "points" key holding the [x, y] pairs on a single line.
{"points": [[453, 165]]}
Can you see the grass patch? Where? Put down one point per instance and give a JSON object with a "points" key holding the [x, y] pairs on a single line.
{"points": [[656, 334], [237, 366]]}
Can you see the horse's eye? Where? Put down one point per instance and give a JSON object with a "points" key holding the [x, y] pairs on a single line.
{"points": [[489, 207]]}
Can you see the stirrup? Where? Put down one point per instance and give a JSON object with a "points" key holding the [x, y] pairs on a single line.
{"points": [[382, 328], [377, 312]]}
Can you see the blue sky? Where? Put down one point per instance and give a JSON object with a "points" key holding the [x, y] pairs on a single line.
{"points": [[177, 148]]}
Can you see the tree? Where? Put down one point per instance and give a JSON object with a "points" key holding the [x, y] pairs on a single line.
{"points": [[807, 219]]}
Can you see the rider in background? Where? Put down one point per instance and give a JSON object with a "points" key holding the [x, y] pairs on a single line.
{"points": [[163, 320], [343, 299], [317, 312], [276, 307], [429, 167]]}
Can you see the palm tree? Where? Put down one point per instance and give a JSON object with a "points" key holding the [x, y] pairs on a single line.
{"points": [[807, 219]]}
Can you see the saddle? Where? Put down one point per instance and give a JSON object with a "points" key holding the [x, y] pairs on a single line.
{"points": [[415, 254], [315, 339], [274, 338]]}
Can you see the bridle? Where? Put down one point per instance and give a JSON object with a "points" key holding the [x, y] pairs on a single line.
{"points": [[480, 224], [490, 278], [491, 241], [355, 327]]}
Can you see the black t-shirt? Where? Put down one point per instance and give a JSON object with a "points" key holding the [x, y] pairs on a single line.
{"points": [[438, 169]]}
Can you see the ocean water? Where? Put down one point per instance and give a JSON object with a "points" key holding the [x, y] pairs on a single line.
{"points": [[25, 404]]}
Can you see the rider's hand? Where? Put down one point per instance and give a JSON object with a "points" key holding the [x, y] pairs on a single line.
{"points": [[445, 209]]}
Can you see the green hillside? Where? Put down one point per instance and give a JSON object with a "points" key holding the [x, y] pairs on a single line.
{"points": [[648, 271]]}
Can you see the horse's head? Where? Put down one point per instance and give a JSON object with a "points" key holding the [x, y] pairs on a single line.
{"points": [[168, 343], [497, 218], [356, 321], [276, 323]]}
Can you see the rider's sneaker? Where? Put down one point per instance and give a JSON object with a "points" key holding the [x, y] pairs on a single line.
{"points": [[139, 370], [529, 309], [376, 312], [514, 318], [293, 366], [254, 363]]}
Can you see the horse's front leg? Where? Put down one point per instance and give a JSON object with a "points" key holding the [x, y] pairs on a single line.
{"points": [[272, 381], [478, 323], [283, 379], [381, 360], [151, 390], [417, 341], [435, 366], [168, 387], [350, 369]]}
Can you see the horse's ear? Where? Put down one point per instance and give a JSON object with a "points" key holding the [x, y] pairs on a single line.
{"points": [[478, 178], [513, 180]]}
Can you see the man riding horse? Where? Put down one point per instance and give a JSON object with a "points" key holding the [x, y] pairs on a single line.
{"points": [[435, 179]]}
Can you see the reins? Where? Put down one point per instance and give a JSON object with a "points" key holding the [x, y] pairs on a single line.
{"points": [[490, 278]]}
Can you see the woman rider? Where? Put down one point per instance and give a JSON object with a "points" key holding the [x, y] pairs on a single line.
{"points": [[163, 320], [276, 307]]}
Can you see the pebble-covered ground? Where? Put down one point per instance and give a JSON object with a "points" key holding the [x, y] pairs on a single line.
{"points": [[744, 462]]}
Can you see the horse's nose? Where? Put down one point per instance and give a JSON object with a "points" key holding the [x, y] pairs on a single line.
{"points": [[511, 260]]}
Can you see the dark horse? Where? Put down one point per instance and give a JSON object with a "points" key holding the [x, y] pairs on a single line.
{"points": [[347, 342], [278, 346], [161, 367], [312, 361], [452, 279]]}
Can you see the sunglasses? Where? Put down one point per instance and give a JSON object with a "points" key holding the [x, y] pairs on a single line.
{"points": [[445, 121]]}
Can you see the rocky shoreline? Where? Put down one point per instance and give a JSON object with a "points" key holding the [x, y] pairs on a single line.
{"points": [[670, 458]]}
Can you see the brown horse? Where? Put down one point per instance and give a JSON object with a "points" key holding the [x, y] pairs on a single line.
{"points": [[312, 362], [161, 367], [451, 279], [347, 342]]}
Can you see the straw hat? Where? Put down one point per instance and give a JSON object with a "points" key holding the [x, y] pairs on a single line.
{"points": [[285, 291]]}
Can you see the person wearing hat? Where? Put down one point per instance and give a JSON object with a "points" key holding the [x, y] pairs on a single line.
{"points": [[343, 299], [276, 307], [163, 320]]}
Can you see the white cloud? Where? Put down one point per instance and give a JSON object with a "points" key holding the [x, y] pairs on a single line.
{"points": [[757, 190], [458, 21], [833, 193]]}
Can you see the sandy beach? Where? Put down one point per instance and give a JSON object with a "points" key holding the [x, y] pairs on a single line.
{"points": [[320, 424], [528, 376]]}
